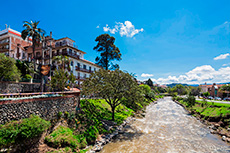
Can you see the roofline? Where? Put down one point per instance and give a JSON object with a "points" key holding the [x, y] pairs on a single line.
{"points": [[65, 38], [90, 63]]}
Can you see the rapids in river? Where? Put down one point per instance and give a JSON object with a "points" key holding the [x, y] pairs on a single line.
{"points": [[166, 128]]}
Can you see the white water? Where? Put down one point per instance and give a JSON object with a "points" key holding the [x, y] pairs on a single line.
{"points": [[167, 128]]}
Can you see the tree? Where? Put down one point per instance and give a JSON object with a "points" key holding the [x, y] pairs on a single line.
{"points": [[62, 61], [108, 50], [59, 80], [206, 94], [8, 69], [32, 31], [111, 86], [72, 79], [195, 91], [149, 82]]}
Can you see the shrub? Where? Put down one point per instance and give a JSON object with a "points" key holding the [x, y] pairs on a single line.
{"points": [[66, 114], [91, 134], [59, 115], [17, 131], [190, 100]]}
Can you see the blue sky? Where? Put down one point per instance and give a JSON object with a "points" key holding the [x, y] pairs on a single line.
{"points": [[167, 41]]}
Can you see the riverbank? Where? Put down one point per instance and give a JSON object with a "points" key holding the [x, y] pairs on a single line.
{"points": [[215, 116]]}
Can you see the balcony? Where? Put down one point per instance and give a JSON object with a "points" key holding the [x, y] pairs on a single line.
{"points": [[65, 43], [80, 78], [83, 70], [71, 54]]}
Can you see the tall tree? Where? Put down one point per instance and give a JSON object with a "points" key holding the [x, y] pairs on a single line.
{"points": [[32, 31], [149, 82], [108, 51]]}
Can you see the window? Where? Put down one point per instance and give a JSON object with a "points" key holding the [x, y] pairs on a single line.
{"points": [[84, 75], [94, 69], [78, 64], [71, 63], [58, 52], [90, 68], [84, 66]]}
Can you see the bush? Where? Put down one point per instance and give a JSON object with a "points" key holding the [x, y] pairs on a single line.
{"points": [[17, 131], [91, 134], [190, 100]]}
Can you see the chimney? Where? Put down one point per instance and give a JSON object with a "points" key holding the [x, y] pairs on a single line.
{"points": [[50, 34], [6, 26]]}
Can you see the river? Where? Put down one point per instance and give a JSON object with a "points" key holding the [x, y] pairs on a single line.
{"points": [[166, 128]]}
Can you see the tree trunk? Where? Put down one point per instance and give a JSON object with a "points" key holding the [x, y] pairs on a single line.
{"points": [[34, 61], [113, 112]]}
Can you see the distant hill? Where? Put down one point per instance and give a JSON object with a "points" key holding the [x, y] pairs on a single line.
{"points": [[184, 84]]}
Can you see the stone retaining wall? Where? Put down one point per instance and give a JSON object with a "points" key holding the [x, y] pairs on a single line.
{"points": [[47, 108], [19, 87]]}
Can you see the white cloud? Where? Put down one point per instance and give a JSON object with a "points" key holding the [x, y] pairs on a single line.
{"points": [[198, 75], [222, 56], [226, 64], [98, 26], [125, 29], [145, 75]]}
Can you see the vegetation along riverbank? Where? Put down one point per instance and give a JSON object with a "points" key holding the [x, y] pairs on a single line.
{"points": [[215, 115]]}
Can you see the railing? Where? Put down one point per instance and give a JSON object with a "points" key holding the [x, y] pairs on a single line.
{"points": [[66, 44], [71, 54], [80, 78], [82, 69]]}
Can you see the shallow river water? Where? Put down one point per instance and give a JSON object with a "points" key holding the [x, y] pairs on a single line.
{"points": [[166, 128]]}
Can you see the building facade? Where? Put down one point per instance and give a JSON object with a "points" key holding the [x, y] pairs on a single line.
{"points": [[14, 46], [214, 90], [11, 44]]}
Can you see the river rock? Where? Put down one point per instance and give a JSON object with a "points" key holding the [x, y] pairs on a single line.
{"points": [[224, 138]]}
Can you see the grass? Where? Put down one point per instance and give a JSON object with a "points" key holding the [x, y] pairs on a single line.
{"points": [[211, 110], [64, 137]]}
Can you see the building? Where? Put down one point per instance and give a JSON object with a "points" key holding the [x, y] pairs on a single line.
{"points": [[214, 90], [11, 44], [14, 46]]}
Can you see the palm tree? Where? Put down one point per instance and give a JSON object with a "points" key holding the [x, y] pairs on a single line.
{"points": [[62, 61], [32, 31]]}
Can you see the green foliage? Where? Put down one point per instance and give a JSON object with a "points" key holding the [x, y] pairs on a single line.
{"points": [[17, 131], [27, 76], [179, 89], [93, 112], [63, 137], [190, 100], [145, 88], [225, 87], [91, 134], [59, 80], [72, 79], [8, 69], [63, 62], [111, 86], [59, 115], [67, 115], [194, 91], [206, 94], [108, 51]]}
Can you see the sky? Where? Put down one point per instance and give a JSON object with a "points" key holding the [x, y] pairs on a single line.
{"points": [[168, 41]]}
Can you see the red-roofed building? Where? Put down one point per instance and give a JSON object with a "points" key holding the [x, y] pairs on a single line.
{"points": [[14, 46], [213, 90], [11, 44]]}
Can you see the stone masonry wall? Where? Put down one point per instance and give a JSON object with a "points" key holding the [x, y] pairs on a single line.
{"points": [[20, 87], [46, 108]]}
